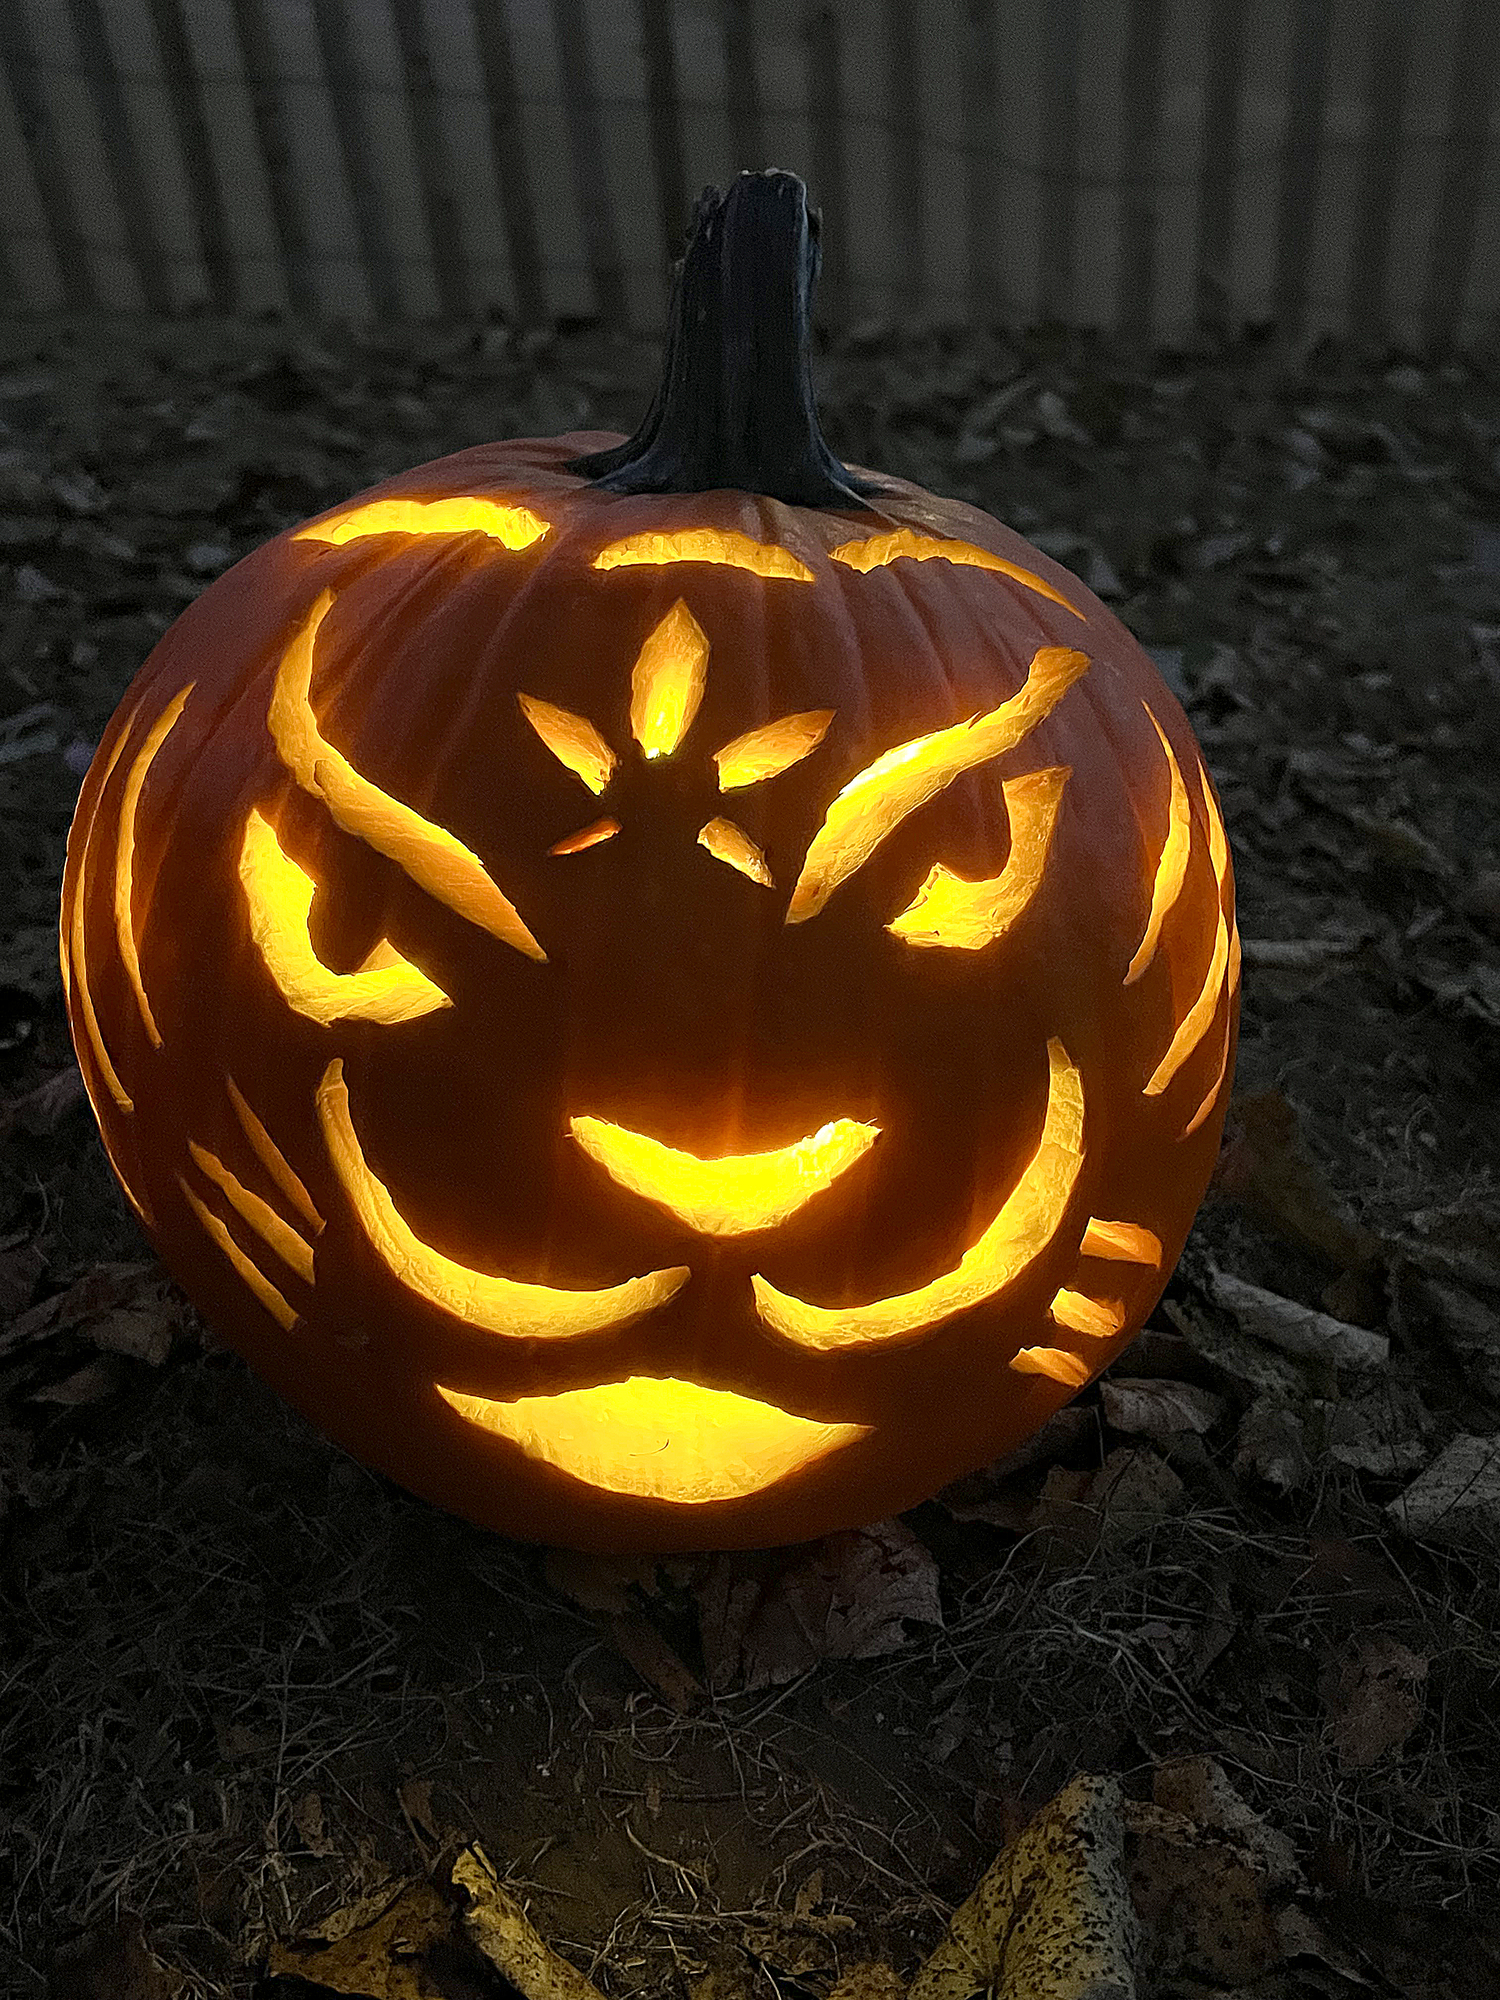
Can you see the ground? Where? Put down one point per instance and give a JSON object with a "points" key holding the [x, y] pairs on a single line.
{"points": [[1254, 1574]]}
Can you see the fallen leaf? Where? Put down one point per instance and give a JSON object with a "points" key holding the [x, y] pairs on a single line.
{"points": [[1383, 1429], [111, 1961], [1271, 1445], [1052, 1917], [1108, 1508], [500, 1929], [1148, 1407], [845, 1598], [1200, 1897], [1199, 1788], [1373, 1698], [658, 1664], [89, 1384], [1266, 1166], [1298, 1330], [1457, 1498], [371, 1950]]}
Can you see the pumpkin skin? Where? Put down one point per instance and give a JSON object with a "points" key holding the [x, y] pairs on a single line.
{"points": [[679, 1000]]}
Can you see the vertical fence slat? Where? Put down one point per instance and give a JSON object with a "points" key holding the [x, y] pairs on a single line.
{"points": [[904, 164], [1470, 104], [1140, 165], [54, 191], [126, 178], [268, 112], [351, 129], [1062, 27], [450, 265], [742, 86], [205, 183], [1385, 103], [980, 114], [512, 168], [1218, 167], [825, 108], [664, 121], [591, 180], [1302, 159]]}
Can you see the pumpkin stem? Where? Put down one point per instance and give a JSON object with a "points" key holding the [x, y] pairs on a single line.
{"points": [[735, 405]]}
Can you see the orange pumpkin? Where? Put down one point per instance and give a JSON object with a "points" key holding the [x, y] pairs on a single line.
{"points": [[668, 994]]}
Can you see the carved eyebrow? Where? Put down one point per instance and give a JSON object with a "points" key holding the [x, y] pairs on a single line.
{"points": [[435, 859], [874, 803], [710, 545], [514, 527], [878, 550]]}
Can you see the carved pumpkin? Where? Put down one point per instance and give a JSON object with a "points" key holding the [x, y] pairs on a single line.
{"points": [[668, 994]]}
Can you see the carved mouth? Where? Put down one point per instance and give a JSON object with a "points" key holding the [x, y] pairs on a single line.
{"points": [[659, 1438]]}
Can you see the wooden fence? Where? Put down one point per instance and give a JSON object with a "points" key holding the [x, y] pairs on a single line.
{"points": [[1150, 165]]}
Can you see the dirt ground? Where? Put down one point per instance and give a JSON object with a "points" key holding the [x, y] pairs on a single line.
{"points": [[256, 1701]]}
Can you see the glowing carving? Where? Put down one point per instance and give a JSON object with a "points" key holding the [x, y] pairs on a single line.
{"points": [[710, 545], [387, 988], [659, 1438], [1022, 1229], [666, 684], [729, 843], [248, 1270], [1220, 979], [160, 730], [774, 747], [1069, 1369], [1123, 1242], [1231, 981], [498, 1305], [91, 1026], [572, 739], [947, 910], [1100, 1319], [878, 550], [1171, 865], [429, 854], [730, 1196], [512, 527], [293, 1250], [271, 1157], [874, 803], [587, 836], [1195, 1024]]}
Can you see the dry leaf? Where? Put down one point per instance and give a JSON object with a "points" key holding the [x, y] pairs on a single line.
{"points": [[1458, 1497], [499, 1928], [844, 1598], [1200, 1897], [1301, 1331], [658, 1664], [1271, 1445], [1265, 1165], [1151, 1407], [1373, 1698], [1052, 1917], [1198, 1788], [371, 1950], [112, 1961], [868, 1981], [1108, 1508], [312, 1830]]}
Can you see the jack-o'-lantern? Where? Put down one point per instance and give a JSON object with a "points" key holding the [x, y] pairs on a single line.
{"points": [[669, 994]]}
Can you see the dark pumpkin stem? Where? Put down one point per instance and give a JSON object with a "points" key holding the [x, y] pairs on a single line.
{"points": [[735, 405]]}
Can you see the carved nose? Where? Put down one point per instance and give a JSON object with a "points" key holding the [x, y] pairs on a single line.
{"points": [[737, 1194]]}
